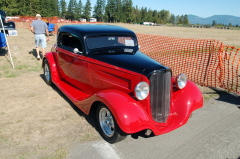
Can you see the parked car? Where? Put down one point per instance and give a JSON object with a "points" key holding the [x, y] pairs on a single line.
{"points": [[101, 70], [7, 25]]}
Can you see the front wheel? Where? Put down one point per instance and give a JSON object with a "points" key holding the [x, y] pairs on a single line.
{"points": [[47, 73], [107, 125]]}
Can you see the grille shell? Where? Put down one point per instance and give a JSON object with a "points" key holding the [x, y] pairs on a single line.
{"points": [[160, 95]]}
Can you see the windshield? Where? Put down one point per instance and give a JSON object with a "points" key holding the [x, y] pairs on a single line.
{"points": [[110, 41]]}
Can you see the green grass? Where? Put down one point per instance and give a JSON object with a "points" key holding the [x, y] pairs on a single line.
{"points": [[58, 154], [21, 67]]}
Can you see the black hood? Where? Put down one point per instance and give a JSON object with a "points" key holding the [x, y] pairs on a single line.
{"points": [[138, 62]]}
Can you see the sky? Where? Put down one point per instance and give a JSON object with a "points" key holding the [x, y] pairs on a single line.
{"points": [[201, 8]]}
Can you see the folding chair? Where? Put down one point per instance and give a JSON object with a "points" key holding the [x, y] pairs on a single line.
{"points": [[51, 28]]}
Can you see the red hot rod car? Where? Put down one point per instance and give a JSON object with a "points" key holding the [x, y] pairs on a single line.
{"points": [[101, 70]]}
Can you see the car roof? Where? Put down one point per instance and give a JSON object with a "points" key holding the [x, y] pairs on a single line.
{"points": [[96, 29]]}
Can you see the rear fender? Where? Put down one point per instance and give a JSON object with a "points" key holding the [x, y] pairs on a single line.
{"points": [[52, 64]]}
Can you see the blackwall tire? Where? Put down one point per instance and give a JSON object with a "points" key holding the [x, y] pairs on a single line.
{"points": [[47, 73], [107, 125]]}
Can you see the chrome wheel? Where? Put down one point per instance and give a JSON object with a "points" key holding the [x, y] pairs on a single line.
{"points": [[107, 125], [106, 122], [47, 73]]}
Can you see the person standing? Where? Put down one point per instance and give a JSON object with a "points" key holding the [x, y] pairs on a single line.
{"points": [[39, 28]]}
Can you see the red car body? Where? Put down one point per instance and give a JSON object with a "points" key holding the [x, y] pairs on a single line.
{"points": [[88, 79]]}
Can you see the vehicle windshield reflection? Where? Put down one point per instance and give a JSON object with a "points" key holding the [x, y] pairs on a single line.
{"points": [[110, 41]]}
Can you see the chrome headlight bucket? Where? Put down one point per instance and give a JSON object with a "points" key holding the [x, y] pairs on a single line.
{"points": [[181, 81], [141, 90]]}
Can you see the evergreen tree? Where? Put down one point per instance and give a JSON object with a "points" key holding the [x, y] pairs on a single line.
{"points": [[87, 10], [47, 8], [172, 19], [136, 15], [10, 6], [99, 10], [164, 15], [144, 14], [72, 10], [69, 10], [110, 11], [118, 11], [44, 8], [113, 11], [54, 8], [127, 10], [185, 20], [155, 18], [177, 19], [32, 7], [150, 15], [79, 10], [62, 8], [214, 23]]}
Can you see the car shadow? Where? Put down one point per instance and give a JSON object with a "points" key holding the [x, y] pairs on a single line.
{"points": [[89, 118], [228, 97]]}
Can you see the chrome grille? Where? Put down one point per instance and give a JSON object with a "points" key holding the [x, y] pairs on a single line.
{"points": [[160, 90]]}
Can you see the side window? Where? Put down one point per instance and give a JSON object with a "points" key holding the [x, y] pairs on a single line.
{"points": [[70, 42]]}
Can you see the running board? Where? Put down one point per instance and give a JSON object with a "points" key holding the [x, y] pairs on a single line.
{"points": [[72, 93]]}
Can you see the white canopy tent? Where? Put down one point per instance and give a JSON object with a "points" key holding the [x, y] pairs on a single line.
{"points": [[9, 52]]}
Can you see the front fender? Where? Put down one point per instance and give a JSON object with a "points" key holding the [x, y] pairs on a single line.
{"points": [[128, 112], [185, 101]]}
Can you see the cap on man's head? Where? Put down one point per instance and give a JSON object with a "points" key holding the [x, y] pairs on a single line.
{"points": [[38, 15]]}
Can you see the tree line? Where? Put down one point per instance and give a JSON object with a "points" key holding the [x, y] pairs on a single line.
{"points": [[215, 24], [104, 11]]}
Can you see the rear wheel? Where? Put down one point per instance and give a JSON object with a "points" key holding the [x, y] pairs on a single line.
{"points": [[107, 125], [47, 73]]}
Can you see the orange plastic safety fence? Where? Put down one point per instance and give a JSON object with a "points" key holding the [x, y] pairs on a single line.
{"points": [[230, 69], [206, 62], [53, 20]]}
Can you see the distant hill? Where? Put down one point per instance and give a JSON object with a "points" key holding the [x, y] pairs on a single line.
{"points": [[224, 19]]}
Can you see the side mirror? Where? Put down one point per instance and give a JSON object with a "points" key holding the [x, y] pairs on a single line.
{"points": [[77, 51]]}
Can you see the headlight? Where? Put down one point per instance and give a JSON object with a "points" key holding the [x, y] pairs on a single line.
{"points": [[181, 80], [142, 90]]}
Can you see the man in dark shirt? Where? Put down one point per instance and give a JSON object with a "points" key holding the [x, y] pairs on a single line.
{"points": [[40, 28]]}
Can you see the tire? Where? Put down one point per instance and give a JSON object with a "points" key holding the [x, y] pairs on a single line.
{"points": [[47, 73], [107, 125]]}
